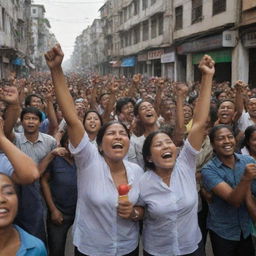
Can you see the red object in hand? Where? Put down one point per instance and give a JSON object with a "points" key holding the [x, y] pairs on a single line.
{"points": [[123, 189]]}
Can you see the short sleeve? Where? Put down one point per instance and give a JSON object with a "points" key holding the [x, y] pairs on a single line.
{"points": [[210, 178]]}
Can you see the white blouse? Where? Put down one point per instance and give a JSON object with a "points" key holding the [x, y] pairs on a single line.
{"points": [[170, 225], [97, 229]]}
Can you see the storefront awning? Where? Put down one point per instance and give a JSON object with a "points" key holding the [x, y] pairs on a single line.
{"points": [[218, 56], [128, 62], [18, 62]]}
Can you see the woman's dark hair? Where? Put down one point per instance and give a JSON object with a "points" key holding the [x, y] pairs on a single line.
{"points": [[247, 135], [11, 179], [93, 111], [64, 139], [122, 102], [29, 98], [103, 129], [147, 146], [216, 128], [31, 110]]}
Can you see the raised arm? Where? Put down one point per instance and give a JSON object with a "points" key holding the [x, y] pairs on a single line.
{"points": [[25, 169], [76, 130], [239, 101], [180, 129], [201, 113], [158, 98], [10, 96], [111, 103], [53, 123]]}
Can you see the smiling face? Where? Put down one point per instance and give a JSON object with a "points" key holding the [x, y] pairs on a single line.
{"points": [[36, 102], [147, 113], [162, 152], [224, 142], [252, 107], [115, 142], [188, 114], [226, 112], [8, 201], [92, 123]]}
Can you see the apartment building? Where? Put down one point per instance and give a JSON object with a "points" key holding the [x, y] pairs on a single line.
{"points": [[206, 27], [42, 38], [137, 35], [14, 37]]}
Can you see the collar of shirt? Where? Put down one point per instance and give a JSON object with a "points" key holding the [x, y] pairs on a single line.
{"points": [[25, 244], [25, 140], [218, 163]]}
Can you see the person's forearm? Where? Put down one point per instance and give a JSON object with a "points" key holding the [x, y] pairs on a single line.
{"points": [[25, 169], [200, 117], [109, 109], [42, 165], [53, 123], [47, 194], [11, 116], [239, 104], [63, 96], [237, 196]]}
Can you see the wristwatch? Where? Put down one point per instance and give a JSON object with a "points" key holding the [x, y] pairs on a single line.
{"points": [[135, 214]]}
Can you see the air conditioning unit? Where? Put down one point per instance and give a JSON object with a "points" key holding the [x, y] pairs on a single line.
{"points": [[229, 38]]}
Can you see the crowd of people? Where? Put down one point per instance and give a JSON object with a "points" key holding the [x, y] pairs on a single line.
{"points": [[186, 152]]}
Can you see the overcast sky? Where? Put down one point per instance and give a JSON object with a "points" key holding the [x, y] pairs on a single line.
{"points": [[68, 18]]}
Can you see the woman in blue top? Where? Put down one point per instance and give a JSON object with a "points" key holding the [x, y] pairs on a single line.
{"points": [[13, 239]]}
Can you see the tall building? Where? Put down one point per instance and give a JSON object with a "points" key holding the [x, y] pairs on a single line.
{"points": [[14, 37], [42, 38]]}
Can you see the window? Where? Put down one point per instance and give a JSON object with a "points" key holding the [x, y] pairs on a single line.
{"points": [[145, 30], [153, 2], [160, 24], [3, 19], [144, 4], [153, 27], [178, 17], [136, 34], [197, 11], [136, 7], [125, 14], [34, 11], [218, 6], [121, 17]]}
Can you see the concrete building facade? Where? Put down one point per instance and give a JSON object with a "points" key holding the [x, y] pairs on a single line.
{"points": [[42, 38], [14, 37], [168, 38]]}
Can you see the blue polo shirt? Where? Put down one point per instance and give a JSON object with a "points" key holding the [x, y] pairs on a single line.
{"points": [[224, 219], [29, 245]]}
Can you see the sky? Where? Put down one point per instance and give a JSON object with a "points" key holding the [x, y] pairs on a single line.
{"points": [[68, 18]]}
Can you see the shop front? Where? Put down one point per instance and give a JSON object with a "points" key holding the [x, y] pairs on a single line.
{"points": [[168, 61], [128, 66], [249, 42], [218, 46], [154, 58]]}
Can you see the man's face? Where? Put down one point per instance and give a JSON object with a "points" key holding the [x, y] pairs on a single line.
{"points": [[127, 112], [252, 107], [30, 123], [36, 102]]}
